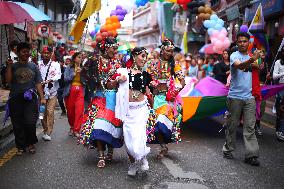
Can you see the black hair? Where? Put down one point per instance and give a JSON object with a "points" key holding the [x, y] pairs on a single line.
{"points": [[243, 34], [13, 44], [73, 58], [23, 45], [105, 42], [136, 51]]}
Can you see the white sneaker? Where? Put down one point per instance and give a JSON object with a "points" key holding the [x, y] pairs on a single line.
{"points": [[132, 170], [274, 110], [280, 136], [46, 137], [144, 165]]}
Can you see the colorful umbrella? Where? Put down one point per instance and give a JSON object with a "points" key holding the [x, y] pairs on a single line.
{"points": [[16, 12], [208, 98]]}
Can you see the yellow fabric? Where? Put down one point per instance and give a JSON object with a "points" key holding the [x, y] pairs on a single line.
{"points": [[167, 111], [77, 81], [190, 109], [185, 48], [89, 8]]}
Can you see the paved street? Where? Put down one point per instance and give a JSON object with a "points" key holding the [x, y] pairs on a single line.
{"points": [[197, 162]]}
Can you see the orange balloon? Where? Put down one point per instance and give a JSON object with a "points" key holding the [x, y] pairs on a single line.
{"points": [[105, 34], [114, 19], [208, 10], [108, 21], [110, 33], [207, 16], [99, 38], [103, 29], [201, 16], [114, 33]]}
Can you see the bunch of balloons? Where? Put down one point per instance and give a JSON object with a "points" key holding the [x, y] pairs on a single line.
{"points": [[119, 12], [204, 12], [141, 2], [183, 3], [218, 35]]}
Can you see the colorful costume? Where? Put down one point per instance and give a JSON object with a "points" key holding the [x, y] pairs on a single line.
{"points": [[100, 122], [168, 111]]}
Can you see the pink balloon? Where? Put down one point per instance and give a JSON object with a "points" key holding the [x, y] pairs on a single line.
{"points": [[209, 49], [221, 36], [218, 44], [227, 43]]}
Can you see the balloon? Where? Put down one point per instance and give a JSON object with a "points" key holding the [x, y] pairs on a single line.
{"points": [[214, 17], [120, 17], [103, 29], [207, 16], [105, 34], [201, 9], [113, 12], [227, 43], [218, 27], [114, 19], [108, 21], [244, 28], [221, 22], [118, 7], [207, 10], [99, 38], [124, 12], [210, 31], [201, 16], [207, 24], [209, 49], [117, 25], [119, 12], [93, 33], [97, 28]]}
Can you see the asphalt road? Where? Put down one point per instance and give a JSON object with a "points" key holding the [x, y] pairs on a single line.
{"points": [[195, 163]]}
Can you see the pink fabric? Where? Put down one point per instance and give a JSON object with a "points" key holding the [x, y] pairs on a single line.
{"points": [[211, 87]]}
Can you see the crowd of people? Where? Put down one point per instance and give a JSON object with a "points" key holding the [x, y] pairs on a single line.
{"points": [[112, 99]]}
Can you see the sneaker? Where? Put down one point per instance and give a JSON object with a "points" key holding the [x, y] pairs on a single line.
{"points": [[252, 161], [132, 170], [144, 165], [46, 137], [71, 133], [63, 114], [258, 132], [274, 110], [280, 136], [228, 155], [76, 135]]}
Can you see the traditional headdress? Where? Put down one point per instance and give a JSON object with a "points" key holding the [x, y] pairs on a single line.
{"points": [[106, 43], [135, 52]]}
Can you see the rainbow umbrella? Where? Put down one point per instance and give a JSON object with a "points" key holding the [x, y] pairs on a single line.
{"points": [[16, 12], [208, 98]]}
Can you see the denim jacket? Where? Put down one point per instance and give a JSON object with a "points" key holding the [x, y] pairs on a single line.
{"points": [[69, 75]]}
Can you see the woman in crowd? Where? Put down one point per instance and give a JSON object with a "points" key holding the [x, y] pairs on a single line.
{"points": [[101, 129], [132, 108], [73, 94], [221, 70], [25, 82], [193, 68], [168, 80]]}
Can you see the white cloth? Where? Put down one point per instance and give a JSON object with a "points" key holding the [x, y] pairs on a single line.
{"points": [[54, 74], [122, 96], [14, 57], [134, 129], [278, 71]]}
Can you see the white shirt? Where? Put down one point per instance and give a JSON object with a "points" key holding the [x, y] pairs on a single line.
{"points": [[54, 74], [278, 71]]}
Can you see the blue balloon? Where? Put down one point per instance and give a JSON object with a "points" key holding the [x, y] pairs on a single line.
{"points": [[207, 24], [218, 27], [210, 30], [97, 28], [221, 22], [214, 17]]}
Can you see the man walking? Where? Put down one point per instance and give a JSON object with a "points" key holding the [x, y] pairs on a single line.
{"points": [[50, 73], [240, 100]]}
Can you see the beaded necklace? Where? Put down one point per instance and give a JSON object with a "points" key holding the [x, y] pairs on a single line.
{"points": [[107, 68]]}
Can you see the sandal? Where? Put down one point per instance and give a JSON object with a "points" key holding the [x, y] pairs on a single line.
{"points": [[101, 162], [31, 149], [20, 152], [109, 155], [162, 153]]}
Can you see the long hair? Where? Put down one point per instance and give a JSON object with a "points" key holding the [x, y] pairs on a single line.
{"points": [[74, 56], [135, 52]]}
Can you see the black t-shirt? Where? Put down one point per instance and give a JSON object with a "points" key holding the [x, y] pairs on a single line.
{"points": [[219, 71], [139, 81], [24, 77]]}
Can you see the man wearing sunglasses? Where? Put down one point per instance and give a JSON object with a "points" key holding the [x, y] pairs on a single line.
{"points": [[240, 100]]}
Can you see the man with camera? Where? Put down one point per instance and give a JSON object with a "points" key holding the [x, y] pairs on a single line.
{"points": [[50, 73]]}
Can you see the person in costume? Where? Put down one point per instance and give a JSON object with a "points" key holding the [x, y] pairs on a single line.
{"points": [[101, 129], [168, 80], [133, 109]]}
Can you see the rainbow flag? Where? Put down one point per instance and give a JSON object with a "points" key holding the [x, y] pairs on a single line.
{"points": [[209, 96]]}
